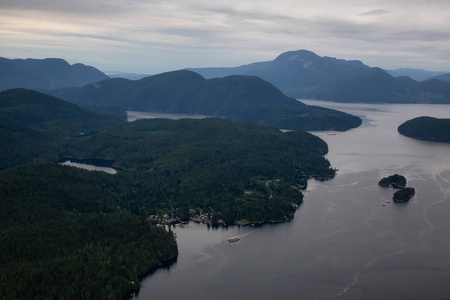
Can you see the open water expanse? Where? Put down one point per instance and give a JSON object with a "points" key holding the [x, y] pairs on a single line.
{"points": [[347, 240]]}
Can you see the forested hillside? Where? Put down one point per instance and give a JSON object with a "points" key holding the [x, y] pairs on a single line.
{"points": [[21, 144], [71, 233], [67, 234], [221, 167], [51, 115], [238, 98]]}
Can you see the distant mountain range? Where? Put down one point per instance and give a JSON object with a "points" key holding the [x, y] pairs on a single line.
{"points": [[245, 98], [416, 74], [304, 75], [300, 74], [131, 76], [45, 74], [442, 77]]}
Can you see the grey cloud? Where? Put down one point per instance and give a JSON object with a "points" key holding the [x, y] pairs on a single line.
{"points": [[375, 12], [203, 34], [376, 34], [232, 14], [195, 29], [70, 7], [420, 35]]}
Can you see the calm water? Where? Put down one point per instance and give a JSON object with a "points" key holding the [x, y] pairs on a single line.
{"points": [[89, 167], [136, 115], [347, 240]]}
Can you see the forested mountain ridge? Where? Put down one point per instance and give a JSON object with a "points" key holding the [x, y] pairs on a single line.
{"points": [[51, 115], [45, 74], [34, 127], [245, 98], [304, 75]]}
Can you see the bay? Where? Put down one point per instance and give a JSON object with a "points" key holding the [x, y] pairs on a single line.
{"points": [[348, 240]]}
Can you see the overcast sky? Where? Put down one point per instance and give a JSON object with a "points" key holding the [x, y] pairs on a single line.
{"points": [[151, 36]]}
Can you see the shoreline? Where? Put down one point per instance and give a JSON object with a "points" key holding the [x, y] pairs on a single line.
{"points": [[161, 265]]}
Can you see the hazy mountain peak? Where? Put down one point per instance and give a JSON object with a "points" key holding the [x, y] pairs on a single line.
{"points": [[45, 74], [306, 63], [303, 74], [416, 74], [298, 55]]}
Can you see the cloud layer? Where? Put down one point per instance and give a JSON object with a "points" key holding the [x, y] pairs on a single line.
{"points": [[156, 36]]}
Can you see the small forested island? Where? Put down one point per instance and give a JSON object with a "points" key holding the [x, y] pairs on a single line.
{"points": [[403, 195], [427, 128], [69, 233], [396, 181]]}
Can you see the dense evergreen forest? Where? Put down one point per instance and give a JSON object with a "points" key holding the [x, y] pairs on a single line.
{"points": [[51, 115], [427, 128], [67, 234], [73, 233], [230, 170]]}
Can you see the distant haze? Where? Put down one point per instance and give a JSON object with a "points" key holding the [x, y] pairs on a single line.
{"points": [[416, 74], [151, 37]]}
